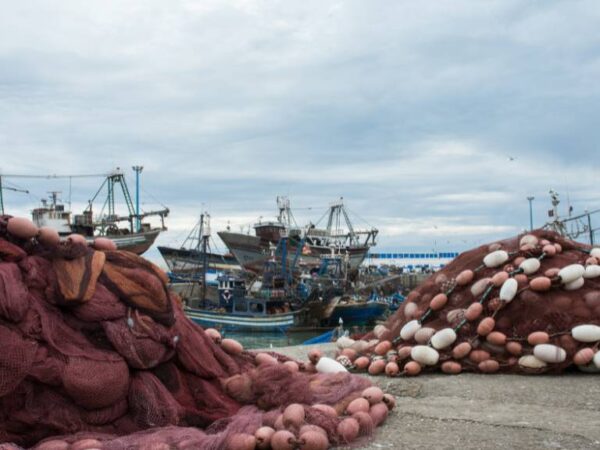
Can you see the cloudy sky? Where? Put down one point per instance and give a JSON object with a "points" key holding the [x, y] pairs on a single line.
{"points": [[433, 119]]}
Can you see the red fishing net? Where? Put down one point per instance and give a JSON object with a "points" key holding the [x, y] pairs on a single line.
{"points": [[96, 353], [528, 304]]}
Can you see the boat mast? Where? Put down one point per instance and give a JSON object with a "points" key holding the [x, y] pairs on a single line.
{"points": [[138, 170], [205, 236]]}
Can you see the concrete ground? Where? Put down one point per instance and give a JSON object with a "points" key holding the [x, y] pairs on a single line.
{"points": [[471, 411]]}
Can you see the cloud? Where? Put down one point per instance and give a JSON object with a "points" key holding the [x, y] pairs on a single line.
{"points": [[407, 110]]}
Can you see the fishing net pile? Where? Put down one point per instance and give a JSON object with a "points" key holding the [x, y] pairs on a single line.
{"points": [[530, 304], [97, 353]]}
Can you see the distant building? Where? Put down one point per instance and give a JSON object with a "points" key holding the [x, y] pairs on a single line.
{"points": [[412, 261]]}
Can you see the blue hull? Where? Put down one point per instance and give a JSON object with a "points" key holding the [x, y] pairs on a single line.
{"points": [[274, 323], [358, 314]]}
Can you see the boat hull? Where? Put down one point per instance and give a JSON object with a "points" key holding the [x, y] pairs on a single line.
{"points": [[180, 260], [251, 252], [136, 243], [358, 313], [269, 323]]}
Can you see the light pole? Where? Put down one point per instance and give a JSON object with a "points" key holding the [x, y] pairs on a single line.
{"points": [[530, 198]]}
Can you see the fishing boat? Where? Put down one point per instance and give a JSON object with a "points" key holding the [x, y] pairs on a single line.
{"points": [[194, 254], [129, 232], [266, 308], [310, 242]]}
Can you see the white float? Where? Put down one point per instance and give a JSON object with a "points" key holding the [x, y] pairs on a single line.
{"points": [[586, 333], [425, 355], [531, 362], [328, 365], [530, 266], [443, 338], [528, 239], [574, 285], [409, 329], [508, 290], [549, 353], [571, 272], [595, 252], [592, 271], [495, 259]]}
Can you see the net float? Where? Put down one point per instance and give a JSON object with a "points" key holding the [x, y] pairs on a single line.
{"points": [[293, 415], [592, 272], [549, 250], [591, 261], [379, 413], [48, 237], [526, 248], [350, 353], [361, 363], [292, 366], [263, 437], [410, 309], [480, 286], [314, 355], [326, 409], [379, 331], [392, 369], [583, 356], [440, 300], [496, 338], [558, 247], [495, 259], [360, 346], [443, 338], [451, 367], [531, 362], [489, 366], [412, 368], [461, 350], [232, 346], [552, 272], [102, 243], [283, 440], [521, 279], [574, 285], [365, 423], [409, 329], [425, 355], [312, 440], [486, 326], [473, 311], [456, 315], [373, 394], [495, 246], [478, 356], [538, 337], [214, 335], [509, 290], [348, 430], [22, 228], [595, 252], [328, 365], [344, 342], [518, 260], [465, 277], [499, 278], [241, 441], [423, 335], [597, 359], [383, 347], [85, 444], [391, 356], [54, 444], [586, 333], [265, 358], [571, 273], [540, 284], [404, 352], [514, 348], [549, 353], [377, 367], [529, 239], [530, 266], [358, 405], [76, 239], [390, 401]]}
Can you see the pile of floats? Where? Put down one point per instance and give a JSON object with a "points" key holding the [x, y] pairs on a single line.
{"points": [[530, 304]]}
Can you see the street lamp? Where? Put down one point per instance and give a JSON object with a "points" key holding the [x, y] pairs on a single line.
{"points": [[530, 198]]}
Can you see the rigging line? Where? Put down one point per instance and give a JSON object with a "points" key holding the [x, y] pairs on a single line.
{"points": [[54, 176], [359, 217]]}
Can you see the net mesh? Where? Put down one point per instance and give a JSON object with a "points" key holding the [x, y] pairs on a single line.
{"points": [[97, 353]]}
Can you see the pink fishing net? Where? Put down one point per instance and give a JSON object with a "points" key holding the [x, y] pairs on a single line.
{"points": [[529, 304], [97, 353]]}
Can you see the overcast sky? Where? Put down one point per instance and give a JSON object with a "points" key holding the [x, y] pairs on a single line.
{"points": [[433, 119]]}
